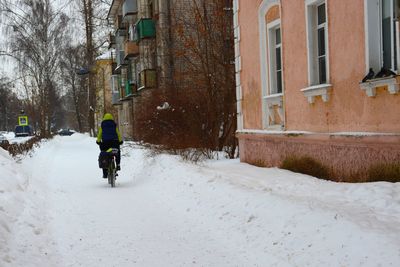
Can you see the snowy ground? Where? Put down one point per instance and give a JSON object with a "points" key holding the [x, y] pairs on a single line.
{"points": [[56, 210]]}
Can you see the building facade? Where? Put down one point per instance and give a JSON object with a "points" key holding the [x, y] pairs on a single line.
{"points": [[157, 56], [301, 81], [141, 57], [102, 72]]}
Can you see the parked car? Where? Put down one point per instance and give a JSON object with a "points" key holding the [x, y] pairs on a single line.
{"points": [[25, 130], [65, 132], [3, 140]]}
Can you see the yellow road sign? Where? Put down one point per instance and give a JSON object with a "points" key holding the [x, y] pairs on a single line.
{"points": [[23, 120]]}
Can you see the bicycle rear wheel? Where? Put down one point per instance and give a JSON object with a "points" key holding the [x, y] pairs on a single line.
{"points": [[113, 172], [113, 178], [109, 175]]}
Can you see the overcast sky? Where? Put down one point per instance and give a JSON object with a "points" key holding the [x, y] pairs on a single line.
{"points": [[7, 65], [69, 7]]}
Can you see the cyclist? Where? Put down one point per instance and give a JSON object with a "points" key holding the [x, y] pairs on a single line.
{"points": [[109, 137]]}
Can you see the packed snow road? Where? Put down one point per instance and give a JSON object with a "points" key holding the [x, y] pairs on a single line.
{"points": [[58, 211]]}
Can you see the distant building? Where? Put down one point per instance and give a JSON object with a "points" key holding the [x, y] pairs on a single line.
{"points": [[300, 66], [103, 88], [135, 67]]}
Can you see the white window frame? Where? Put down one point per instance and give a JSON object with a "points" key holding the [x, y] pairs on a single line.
{"points": [[312, 41], [271, 35], [264, 72], [374, 42], [271, 97]]}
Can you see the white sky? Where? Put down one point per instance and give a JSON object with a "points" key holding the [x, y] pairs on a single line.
{"points": [[7, 65]]}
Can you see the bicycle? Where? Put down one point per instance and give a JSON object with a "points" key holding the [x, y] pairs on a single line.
{"points": [[112, 167]]}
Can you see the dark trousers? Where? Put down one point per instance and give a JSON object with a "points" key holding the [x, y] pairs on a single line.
{"points": [[105, 145]]}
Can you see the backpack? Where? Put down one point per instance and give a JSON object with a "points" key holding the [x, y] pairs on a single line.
{"points": [[104, 160]]}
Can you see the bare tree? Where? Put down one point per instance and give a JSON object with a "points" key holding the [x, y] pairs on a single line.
{"points": [[93, 15], [201, 102], [10, 105], [35, 35], [72, 60], [205, 32]]}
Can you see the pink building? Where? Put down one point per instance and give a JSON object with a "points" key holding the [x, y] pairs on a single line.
{"points": [[300, 66]]}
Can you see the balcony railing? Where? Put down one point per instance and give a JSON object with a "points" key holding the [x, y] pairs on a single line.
{"points": [[114, 70], [115, 98], [115, 86], [111, 41], [119, 23], [120, 59], [145, 29], [129, 8], [130, 89], [131, 49], [147, 79]]}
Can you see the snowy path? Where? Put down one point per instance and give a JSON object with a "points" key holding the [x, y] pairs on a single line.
{"points": [[167, 213]]}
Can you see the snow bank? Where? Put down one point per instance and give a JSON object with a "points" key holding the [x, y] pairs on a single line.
{"points": [[271, 217], [12, 184], [166, 212], [16, 140]]}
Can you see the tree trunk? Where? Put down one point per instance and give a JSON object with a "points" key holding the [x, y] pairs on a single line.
{"points": [[88, 17]]}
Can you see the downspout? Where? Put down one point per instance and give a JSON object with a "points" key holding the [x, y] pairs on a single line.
{"points": [[165, 36]]}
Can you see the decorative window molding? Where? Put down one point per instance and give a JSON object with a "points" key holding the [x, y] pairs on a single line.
{"points": [[370, 86], [322, 90], [264, 62], [274, 103]]}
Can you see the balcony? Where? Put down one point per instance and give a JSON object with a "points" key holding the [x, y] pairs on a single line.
{"points": [[111, 41], [145, 29], [115, 98], [120, 59], [114, 70], [130, 89], [129, 8], [131, 49], [119, 23], [115, 85], [147, 79]]}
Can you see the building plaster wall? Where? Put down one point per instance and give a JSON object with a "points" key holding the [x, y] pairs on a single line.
{"points": [[347, 157], [250, 62], [349, 108]]}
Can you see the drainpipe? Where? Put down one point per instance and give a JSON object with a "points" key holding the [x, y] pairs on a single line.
{"points": [[164, 40], [397, 29]]}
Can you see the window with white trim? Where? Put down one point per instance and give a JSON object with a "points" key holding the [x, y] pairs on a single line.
{"points": [[317, 33], [275, 58], [273, 93], [381, 31]]}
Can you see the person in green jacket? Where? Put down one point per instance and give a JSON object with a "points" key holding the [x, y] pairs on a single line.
{"points": [[109, 137]]}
